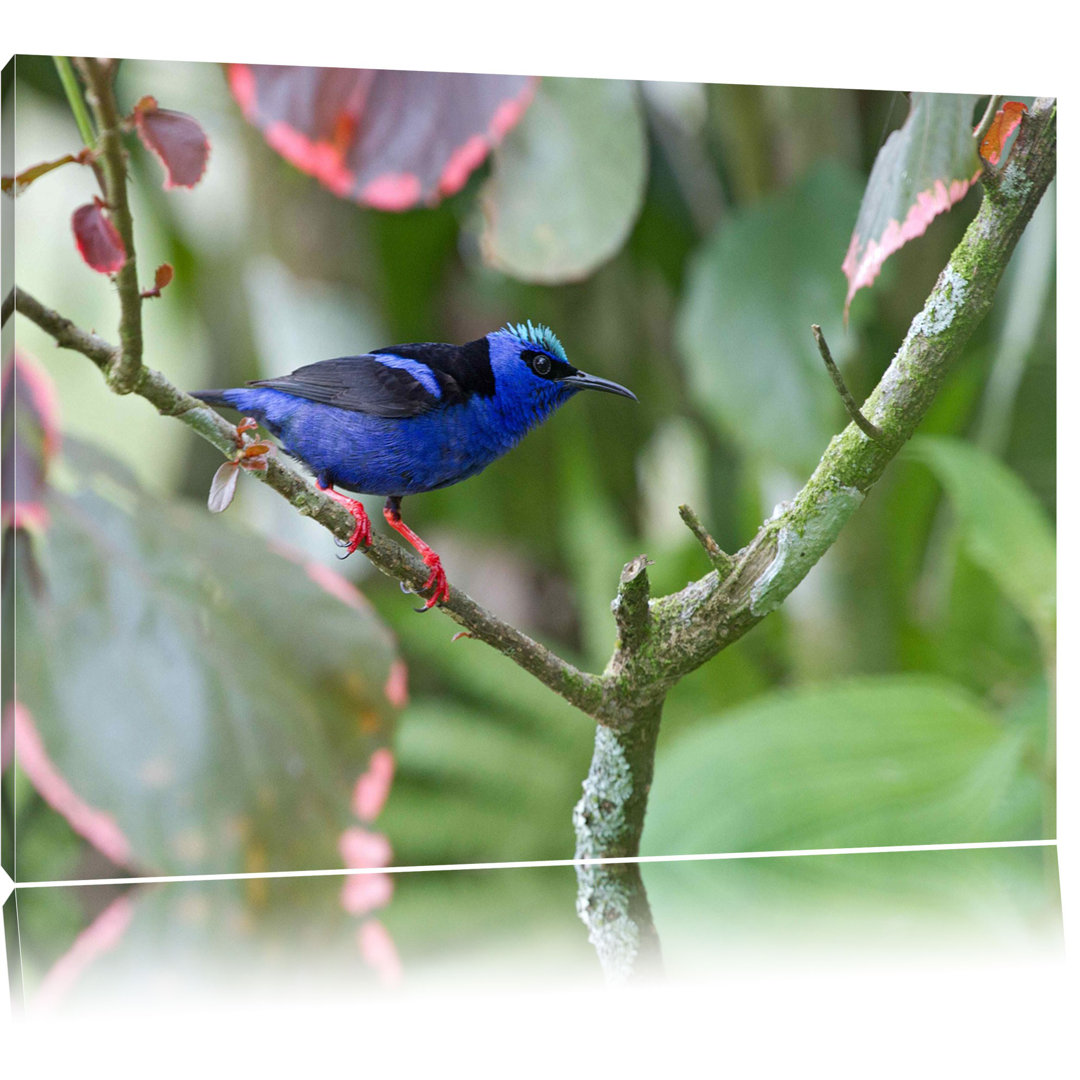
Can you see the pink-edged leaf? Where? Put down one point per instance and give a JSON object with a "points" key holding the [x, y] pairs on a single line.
{"points": [[386, 139], [177, 139], [922, 170], [1006, 121], [29, 419], [223, 487], [232, 647], [97, 238], [95, 825]]}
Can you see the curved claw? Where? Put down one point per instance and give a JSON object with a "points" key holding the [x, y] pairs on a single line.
{"points": [[438, 581], [359, 534], [362, 531]]}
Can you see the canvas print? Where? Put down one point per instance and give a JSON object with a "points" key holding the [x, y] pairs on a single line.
{"points": [[435, 469]]}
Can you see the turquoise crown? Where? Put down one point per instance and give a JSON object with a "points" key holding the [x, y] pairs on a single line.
{"points": [[542, 337]]}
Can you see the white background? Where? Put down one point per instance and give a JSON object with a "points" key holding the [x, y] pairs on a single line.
{"points": [[988, 1022]]}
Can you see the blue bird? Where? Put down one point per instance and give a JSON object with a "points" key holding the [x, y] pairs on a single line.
{"points": [[412, 418]]}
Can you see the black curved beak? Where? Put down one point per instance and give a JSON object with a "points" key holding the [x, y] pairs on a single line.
{"points": [[594, 382]]}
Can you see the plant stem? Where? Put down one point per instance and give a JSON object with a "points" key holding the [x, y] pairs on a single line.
{"points": [[127, 368], [75, 100]]}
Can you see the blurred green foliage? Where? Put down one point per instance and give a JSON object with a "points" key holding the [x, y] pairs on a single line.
{"points": [[902, 694]]}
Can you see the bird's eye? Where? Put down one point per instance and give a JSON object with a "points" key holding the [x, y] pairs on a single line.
{"points": [[541, 364]]}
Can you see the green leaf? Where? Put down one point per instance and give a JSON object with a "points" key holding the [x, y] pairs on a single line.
{"points": [[1002, 526], [214, 699], [871, 762], [763, 278], [568, 181], [922, 170], [471, 788]]}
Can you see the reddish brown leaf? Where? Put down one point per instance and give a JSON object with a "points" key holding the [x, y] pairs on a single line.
{"points": [[162, 276], [16, 185], [1004, 124], [177, 139], [257, 449], [249, 423], [223, 487], [256, 457], [97, 239]]}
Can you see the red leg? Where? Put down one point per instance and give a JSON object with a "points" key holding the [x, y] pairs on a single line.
{"points": [[362, 532], [437, 580]]}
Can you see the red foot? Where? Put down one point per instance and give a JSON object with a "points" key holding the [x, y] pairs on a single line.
{"points": [[437, 579], [362, 532]]}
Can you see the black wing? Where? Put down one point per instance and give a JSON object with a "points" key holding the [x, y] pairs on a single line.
{"points": [[365, 384]]}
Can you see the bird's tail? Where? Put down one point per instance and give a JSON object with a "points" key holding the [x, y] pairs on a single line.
{"points": [[250, 402], [214, 397]]}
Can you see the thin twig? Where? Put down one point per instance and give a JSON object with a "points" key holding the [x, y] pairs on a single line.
{"points": [[8, 308], [579, 688], [722, 562], [853, 410], [98, 75]]}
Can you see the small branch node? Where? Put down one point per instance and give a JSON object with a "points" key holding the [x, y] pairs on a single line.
{"points": [[633, 570], [870, 430], [721, 561], [631, 605]]}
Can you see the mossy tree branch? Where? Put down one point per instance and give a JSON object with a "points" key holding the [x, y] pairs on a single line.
{"points": [[687, 628], [662, 639], [692, 625]]}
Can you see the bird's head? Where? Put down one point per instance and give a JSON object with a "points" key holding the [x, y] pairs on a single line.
{"points": [[530, 362]]}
